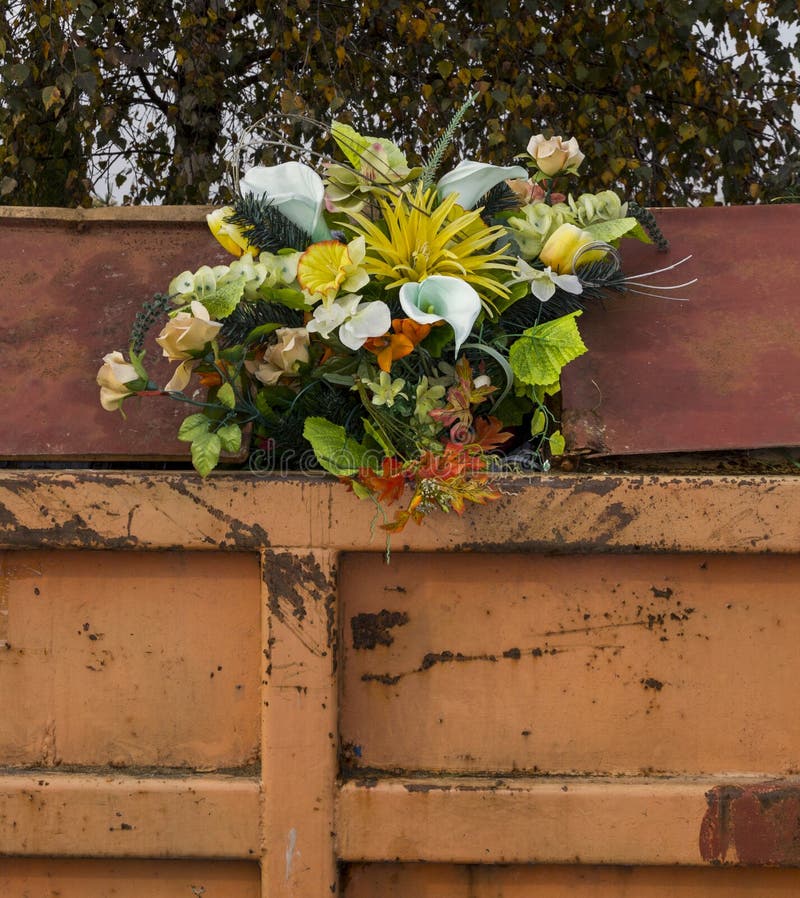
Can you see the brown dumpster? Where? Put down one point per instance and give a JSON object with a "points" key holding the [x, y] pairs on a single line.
{"points": [[218, 687]]}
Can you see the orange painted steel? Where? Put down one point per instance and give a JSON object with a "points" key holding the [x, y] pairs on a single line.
{"points": [[575, 881], [329, 761], [35, 878]]}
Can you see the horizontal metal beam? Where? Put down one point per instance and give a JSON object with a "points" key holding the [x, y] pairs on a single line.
{"points": [[89, 815], [564, 513], [468, 820]]}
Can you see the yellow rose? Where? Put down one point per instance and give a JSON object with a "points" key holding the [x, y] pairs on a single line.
{"points": [[562, 246], [112, 379], [553, 155], [228, 234], [284, 357], [187, 333]]}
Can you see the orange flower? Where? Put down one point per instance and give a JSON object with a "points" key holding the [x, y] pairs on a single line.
{"points": [[391, 347], [409, 328]]}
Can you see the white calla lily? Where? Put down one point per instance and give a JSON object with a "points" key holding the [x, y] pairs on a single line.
{"points": [[296, 191], [471, 180], [442, 298], [369, 319]]}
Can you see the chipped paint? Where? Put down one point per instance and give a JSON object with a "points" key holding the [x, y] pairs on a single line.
{"points": [[371, 630], [291, 843]]}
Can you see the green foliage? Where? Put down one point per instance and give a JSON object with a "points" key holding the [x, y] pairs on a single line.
{"points": [[665, 97], [338, 453], [542, 351]]}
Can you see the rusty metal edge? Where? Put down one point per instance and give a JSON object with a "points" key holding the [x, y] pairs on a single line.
{"points": [[104, 214], [594, 820], [245, 512]]}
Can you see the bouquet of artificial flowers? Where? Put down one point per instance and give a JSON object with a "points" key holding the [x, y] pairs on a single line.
{"points": [[396, 328]]}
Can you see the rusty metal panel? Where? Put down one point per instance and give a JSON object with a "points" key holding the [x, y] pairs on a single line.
{"points": [[719, 372], [626, 664], [29, 878], [575, 881], [71, 282], [129, 659]]}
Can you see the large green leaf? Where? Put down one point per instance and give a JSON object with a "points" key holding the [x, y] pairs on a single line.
{"points": [[542, 351], [609, 231], [205, 453], [225, 298], [336, 452]]}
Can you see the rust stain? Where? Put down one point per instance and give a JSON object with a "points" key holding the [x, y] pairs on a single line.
{"points": [[753, 825], [370, 630]]}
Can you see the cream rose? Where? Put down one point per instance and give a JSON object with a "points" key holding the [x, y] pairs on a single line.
{"points": [[284, 357], [112, 379], [187, 333], [553, 155]]}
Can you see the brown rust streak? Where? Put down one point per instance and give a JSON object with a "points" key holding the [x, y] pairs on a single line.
{"points": [[370, 630], [754, 825]]}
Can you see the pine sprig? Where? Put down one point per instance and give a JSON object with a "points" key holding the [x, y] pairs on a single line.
{"points": [[501, 198], [648, 221], [249, 315], [266, 227], [443, 143], [146, 317]]}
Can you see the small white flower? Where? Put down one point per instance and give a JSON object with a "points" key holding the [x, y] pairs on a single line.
{"points": [[543, 282]]}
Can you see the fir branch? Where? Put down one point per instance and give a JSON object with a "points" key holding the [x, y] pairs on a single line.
{"points": [[443, 143], [146, 317], [648, 221], [266, 227], [501, 198], [249, 315]]}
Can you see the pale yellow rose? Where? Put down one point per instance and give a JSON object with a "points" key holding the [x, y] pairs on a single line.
{"points": [[553, 155], [112, 379], [284, 357], [187, 333], [564, 244]]}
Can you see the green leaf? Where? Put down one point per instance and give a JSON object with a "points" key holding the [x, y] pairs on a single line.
{"points": [[380, 438], [437, 340], [138, 364], [205, 453], [356, 147], [224, 299], [557, 443], [538, 422], [225, 395], [262, 330], [336, 452], [542, 351], [50, 96], [193, 427], [230, 436], [285, 296], [609, 231]]}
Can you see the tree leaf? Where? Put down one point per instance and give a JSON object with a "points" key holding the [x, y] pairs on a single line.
{"points": [[205, 453], [557, 443], [336, 452], [224, 299], [193, 427], [230, 437], [542, 351], [226, 396]]}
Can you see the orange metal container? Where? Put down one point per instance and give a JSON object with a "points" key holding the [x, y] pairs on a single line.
{"points": [[219, 688]]}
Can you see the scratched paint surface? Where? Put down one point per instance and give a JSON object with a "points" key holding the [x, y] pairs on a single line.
{"points": [[580, 664], [517, 881], [665, 376], [123, 659], [36, 878]]}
